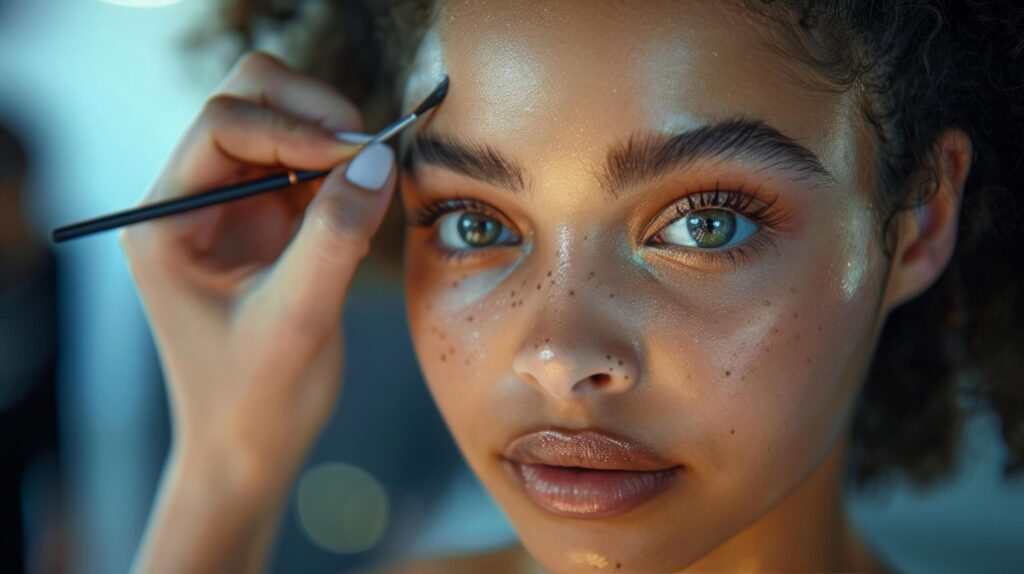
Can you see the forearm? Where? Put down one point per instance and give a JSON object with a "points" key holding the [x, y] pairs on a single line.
{"points": [[215, 512]]}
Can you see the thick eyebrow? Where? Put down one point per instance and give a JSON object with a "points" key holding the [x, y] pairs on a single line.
{"points": [[478, 161], [646, 157], [642, 158]]}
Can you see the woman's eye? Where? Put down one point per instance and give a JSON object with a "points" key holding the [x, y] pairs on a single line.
{"points": [[709, 229], [464, 230]]}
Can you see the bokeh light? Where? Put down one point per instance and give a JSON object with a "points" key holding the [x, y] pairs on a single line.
{"points": [[341, 507]]}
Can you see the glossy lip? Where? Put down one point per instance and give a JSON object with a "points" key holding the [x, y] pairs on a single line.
{"points": [[586, 473], [587, 448]]}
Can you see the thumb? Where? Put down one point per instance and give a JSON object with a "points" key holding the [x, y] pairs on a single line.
{"points": [[307, 286]]}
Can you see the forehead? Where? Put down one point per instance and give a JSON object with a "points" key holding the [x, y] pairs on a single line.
{"points": [[553, 83]]}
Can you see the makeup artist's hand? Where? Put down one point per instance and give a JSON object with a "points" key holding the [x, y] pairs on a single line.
{"points": [[247, 318]]}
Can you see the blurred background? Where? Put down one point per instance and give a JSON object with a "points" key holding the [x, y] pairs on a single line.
{"points": [[94, 96]]}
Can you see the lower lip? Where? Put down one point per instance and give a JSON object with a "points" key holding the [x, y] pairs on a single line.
{"points": [[589, 493]]}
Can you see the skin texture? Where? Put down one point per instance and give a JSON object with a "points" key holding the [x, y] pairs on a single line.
{"points": [[744, 372]]}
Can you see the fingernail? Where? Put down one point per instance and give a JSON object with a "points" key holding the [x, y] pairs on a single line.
{"points": [[371, 166], [353, 137]]}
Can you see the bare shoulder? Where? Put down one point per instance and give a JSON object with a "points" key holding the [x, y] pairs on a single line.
{"points": [[512, 559]]}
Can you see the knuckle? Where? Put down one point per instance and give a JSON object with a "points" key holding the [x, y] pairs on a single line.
{"points": [[138, 251], [219, 106], [286, 124], [217, 110], [128, 240], [257, 64]]}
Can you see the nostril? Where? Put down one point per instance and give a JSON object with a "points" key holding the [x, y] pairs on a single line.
{"points": [[600, 379]]}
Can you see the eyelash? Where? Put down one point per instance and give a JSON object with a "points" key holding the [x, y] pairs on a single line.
{"points": [[766, 216], [427, 215]]}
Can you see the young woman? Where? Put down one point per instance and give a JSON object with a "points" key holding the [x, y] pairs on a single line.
{"points": [[671, 267]]}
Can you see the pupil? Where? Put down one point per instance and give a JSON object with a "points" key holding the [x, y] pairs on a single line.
{"points": [[477, 230], [711, 227]]}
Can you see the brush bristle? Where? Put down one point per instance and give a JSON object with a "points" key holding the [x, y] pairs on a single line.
{"points": [[434, 98]]}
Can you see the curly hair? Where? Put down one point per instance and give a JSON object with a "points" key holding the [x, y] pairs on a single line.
{"points": [[920, 67]]}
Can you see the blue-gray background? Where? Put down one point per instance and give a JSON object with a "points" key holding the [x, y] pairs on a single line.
{"points": [[105, 91]]}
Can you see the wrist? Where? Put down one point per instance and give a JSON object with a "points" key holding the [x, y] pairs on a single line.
{"points": [[231, 472]]}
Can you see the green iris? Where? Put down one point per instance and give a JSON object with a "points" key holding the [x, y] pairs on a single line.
{"points": [[478, 230], [711, 228]]}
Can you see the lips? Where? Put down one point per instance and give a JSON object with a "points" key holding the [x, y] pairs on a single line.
{"points": [[587, 473]]}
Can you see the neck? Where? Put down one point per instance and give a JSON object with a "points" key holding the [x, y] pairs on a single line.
{"points": [[807, 531]]}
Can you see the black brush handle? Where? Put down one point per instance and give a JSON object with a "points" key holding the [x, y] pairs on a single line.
{"points": [[180, 204]]}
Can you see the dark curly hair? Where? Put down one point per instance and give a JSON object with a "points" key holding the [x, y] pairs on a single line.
{"points": [[922, 67]]}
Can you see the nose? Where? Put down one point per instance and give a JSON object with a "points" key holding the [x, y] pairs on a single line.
{"points": [[576, 350]]}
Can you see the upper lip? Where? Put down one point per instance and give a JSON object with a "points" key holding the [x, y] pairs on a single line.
{"points": [[583, 448]]}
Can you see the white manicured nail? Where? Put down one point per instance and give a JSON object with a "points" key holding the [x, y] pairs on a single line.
{"points": [[353, 137], [371, 166]]}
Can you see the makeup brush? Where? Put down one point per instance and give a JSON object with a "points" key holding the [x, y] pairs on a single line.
{"points": [[237, 191]]}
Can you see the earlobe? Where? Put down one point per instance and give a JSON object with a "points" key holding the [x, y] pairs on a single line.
{"points": [[928, 233]]}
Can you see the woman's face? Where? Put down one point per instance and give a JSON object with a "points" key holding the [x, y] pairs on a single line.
{"points": [[711, 291]]}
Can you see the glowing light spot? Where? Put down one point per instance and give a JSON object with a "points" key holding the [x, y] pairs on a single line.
{"points": [[341, 507]]}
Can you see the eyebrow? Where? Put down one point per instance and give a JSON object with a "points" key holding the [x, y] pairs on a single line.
{"points": [[642, 158]]}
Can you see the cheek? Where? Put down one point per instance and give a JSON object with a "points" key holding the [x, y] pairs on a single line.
{"points": [[455, 316], [769, 386]]}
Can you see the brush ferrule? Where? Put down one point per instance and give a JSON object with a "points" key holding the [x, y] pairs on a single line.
{"points": [[392, 129]]}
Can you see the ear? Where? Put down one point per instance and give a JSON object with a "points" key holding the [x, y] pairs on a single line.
{"points": [[928, 233]]}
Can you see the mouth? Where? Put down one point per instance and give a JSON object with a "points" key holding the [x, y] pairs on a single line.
{"points": [[586, 474]]}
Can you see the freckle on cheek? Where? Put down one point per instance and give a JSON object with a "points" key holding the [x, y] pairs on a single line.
{"points": [[571, 293], [728, 373]]}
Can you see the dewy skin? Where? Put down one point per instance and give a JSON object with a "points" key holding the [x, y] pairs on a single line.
{"points": [[740, 370]]}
